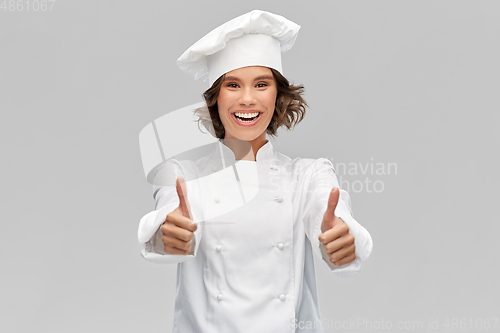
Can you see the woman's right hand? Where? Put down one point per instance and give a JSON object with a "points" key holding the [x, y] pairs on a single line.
{"points": [[177, 230]]}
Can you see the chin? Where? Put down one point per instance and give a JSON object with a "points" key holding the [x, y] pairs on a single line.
{"points": [[247, 136]]}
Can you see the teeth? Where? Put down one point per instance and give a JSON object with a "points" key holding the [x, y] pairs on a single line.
{"points": [[246, 115], [245, 121]]}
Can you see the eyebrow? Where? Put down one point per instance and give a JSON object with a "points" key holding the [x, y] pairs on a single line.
{"points": [[262, 77]]}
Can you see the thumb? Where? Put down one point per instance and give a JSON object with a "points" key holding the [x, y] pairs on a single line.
{"points": [[183, 201], [333, 200]]}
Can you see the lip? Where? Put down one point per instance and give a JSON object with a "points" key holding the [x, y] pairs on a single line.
{"points": [[247, 124]]}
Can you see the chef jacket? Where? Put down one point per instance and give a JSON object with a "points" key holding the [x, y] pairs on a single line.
{"points": [[251, 268]]}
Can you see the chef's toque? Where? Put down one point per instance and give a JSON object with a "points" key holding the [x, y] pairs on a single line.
{"points": [[256, 38]]}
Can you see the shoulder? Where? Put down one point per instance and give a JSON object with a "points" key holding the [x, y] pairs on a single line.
{"points": [[302, 169], [311, 164], [300, 165], [167, 172], [295, 163]]}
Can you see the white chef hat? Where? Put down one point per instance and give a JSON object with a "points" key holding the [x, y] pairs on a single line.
{"points": [[256, 38]]}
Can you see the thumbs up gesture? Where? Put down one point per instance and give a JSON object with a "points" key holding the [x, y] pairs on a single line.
{"points": [[335, 236], [177, 230]]}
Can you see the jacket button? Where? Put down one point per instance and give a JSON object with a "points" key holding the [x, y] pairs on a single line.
{"points": [[279, 199], [282, 297], [217, 199], [219, 248], [219, 297], [281, 246]]}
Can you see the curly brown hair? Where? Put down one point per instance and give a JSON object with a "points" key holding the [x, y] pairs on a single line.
{"points": [[290, 107]]}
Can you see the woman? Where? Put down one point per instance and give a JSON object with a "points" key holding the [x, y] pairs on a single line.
{"points": [[246, 264]]}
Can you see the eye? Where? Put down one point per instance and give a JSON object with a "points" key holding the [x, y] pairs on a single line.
{"points": [[262, 85], [232, 85]]}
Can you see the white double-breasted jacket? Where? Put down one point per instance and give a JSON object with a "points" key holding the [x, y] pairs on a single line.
{"points": [[252, 267]]}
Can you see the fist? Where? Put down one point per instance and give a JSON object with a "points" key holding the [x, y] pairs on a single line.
{"points": [[177, 230], [335, 235]]}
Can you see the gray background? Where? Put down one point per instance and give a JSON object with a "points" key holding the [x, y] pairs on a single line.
{"points": [[414, 83]]}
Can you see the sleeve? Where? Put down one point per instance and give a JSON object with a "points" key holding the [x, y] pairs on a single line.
{"points": [[165, 195], [320, 179]]}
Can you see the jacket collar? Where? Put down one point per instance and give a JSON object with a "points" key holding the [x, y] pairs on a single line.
{"points": [[223, 156]]}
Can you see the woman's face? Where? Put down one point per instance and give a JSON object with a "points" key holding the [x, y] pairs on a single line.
{"points": [[246, 102]]}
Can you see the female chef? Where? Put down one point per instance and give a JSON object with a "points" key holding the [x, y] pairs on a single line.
{"points": [[244, 227]]}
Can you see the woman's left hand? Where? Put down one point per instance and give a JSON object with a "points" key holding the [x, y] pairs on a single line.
{"points": [[335, 235]]}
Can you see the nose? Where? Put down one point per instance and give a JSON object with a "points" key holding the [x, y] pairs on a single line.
{"points": [[247, 97]]}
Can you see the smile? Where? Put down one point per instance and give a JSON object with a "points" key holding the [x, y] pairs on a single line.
{"points": [[246, 118]]}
